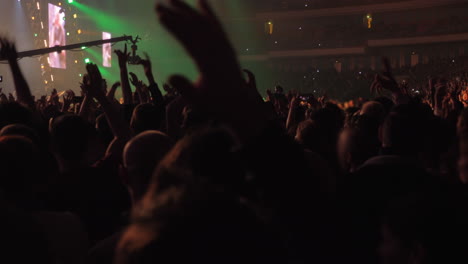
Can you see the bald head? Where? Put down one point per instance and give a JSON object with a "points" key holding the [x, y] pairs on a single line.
{"points": [[141, 156], [374, 109]]}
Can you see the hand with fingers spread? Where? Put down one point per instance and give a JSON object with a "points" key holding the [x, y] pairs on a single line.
{"points": [[202, 35], [8, 50], [146, 63], [141, 88], [135, 81], [122, 56], [94, 85]]}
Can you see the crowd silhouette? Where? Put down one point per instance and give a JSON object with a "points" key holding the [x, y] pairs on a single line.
{"points": [[210, 172]]}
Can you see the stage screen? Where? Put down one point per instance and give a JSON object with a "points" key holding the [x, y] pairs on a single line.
{"points": [[57, 36], [106, 51]]}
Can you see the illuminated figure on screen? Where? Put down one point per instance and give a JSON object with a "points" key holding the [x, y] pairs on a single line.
{"points": [[106, 51], [57, 36]]}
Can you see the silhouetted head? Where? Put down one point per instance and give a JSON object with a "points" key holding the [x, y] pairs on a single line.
{"points": [[14, 113], [70, 135], [21, 130], [141, 156], [355, 146], [205, 156], [386, 102], [401, 131], [146, 117], [375, 110], [310, 135], [191, 211]]}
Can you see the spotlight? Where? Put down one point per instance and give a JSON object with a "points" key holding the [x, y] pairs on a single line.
{"points": [[70, 1], [87, 60]]}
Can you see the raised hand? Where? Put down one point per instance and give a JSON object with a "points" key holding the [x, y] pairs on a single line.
{"points": [[94, 85], [7, 50], [126, 90], [385, 80], [111, 93], [146, 63], [119, 128], [123, 55], [135, 81], [203, 37]]}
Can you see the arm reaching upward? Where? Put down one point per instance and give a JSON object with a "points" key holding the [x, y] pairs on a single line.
{"points": [[156, 95], [202, 35], [8, 51], [126, 90]]}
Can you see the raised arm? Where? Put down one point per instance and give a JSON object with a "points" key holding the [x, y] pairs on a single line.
{"points": [[386, 81], [23, 93], [111, 92], [126, 90], [117, 124], [156, 95], [220, 93], [140, 88]]}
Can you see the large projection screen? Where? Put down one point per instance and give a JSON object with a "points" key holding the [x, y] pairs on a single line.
{"points": [[57, 36]]}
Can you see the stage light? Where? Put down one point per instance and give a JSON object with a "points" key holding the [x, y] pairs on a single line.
{"points": [[87, 60], [83, 47], [76, 61], [59, 4], [79, 31], [52, 77], [70, 1], [75, 15], [38, 6], [33, 18], [81, 75], [68, 33], [45, 82], [35, 35]]}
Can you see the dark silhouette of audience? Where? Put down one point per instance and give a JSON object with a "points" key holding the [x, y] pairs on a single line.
{"points": [[212, 173]]}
